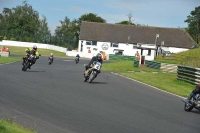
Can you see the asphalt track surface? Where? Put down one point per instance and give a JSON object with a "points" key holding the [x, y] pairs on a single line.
{"points": [[54, 99]]}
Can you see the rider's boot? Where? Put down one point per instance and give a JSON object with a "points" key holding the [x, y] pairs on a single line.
{"points": [[190, 97]]}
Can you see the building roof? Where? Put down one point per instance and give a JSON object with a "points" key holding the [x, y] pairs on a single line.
{"points": [[119, 33]]}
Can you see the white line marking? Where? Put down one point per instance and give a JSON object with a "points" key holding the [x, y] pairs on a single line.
{"points": [[8, 63]]}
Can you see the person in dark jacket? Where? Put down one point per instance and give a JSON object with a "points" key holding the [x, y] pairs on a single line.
{"points": [[194, 92], [98, 58], [78, 56]]}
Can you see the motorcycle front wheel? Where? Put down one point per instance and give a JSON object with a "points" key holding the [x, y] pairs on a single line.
{"points": [[188, 107], [92, 76]]}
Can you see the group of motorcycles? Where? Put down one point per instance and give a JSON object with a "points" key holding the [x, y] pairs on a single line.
{"points": [[30, 59], [94, 70], [90, 75]]}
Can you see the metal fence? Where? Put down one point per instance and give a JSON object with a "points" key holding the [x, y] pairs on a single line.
{"points": [[188, 74], [120, 57]]}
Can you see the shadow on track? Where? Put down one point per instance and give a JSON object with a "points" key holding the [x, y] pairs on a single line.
{"points": [[195, 111], [98, 82], [35, 71]]}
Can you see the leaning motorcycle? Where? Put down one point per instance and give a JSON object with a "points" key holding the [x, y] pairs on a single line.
{"points": [[92, 72], [193, 103], [28, 61], [50, 60], [76, 60]]}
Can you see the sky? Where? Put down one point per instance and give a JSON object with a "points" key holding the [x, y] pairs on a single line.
{"points": [[158, 13]]}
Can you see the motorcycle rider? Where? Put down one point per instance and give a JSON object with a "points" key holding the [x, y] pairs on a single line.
{"points": [[31, 50], [78, 56], [98, 58], [51, 55], [194, 92]]}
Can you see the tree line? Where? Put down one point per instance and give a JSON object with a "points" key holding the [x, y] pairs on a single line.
{"points": [[22, 23]]}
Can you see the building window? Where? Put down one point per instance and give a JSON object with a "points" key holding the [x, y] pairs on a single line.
{"points": [[114, 45], [94, 43], [134, 46], [149, 52], [88, 43]]}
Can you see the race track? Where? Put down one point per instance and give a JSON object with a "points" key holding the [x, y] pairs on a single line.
{"points": [[54, 99]]}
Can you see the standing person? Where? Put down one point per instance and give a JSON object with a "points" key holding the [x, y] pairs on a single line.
{"points": [[3, 49], [194, 92], [137, 56]]}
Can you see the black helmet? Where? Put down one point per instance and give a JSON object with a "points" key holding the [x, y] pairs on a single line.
{"points": [[35, 47], [99, 57]]}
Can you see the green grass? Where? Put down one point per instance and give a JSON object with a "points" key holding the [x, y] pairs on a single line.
{"points": [[7, 126], [162, 80], [186, 58], [4, 60]]}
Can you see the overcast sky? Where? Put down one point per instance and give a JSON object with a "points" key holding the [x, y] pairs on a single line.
{"points": [[159, 13]]}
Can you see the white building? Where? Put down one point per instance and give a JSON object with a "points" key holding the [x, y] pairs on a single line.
{"points": [[127, 39]]}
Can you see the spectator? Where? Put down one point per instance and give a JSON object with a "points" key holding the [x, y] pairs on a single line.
{"points": [[3, 49], [137, 56]]}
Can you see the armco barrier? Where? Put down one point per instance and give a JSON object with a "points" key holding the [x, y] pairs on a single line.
{"points": [[162, 66], [152, 64], [188, 74], [169, 67], [120, 57], [136, 63]]}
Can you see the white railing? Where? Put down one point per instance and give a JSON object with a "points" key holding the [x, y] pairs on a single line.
{"points": [[29, 44]]}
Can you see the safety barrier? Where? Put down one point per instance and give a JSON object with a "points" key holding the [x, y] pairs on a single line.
{"points": [[153, 64], [169, 67], [188, 74], [136, 63], [4, 54], [162, 66], [120, 57]]}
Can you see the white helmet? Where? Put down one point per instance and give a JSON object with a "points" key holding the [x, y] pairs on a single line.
{"points": [[35, 47], [51, 53]]}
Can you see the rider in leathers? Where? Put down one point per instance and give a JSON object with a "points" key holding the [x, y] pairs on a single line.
{"points": [[34, 51], [194, 92], [98, 58]]}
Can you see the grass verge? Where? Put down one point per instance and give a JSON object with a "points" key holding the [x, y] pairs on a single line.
{"points": [[7, 126], [157, 78], [4, 60]]}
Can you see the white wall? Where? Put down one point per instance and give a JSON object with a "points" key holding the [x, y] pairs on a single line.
{"points": [[128, 49], [28, 44], [177, 50]]}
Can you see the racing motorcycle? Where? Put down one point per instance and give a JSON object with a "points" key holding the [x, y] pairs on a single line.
{"points": [[193, 103], [28, 61], [92, 72], [76, 60], [50, 60]]}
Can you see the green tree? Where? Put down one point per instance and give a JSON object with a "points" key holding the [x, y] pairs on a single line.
{"points": [[193, 21], [67, 34], [90, 17], [125, 22], [43, 34], [64, 34], [22, 23]]}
